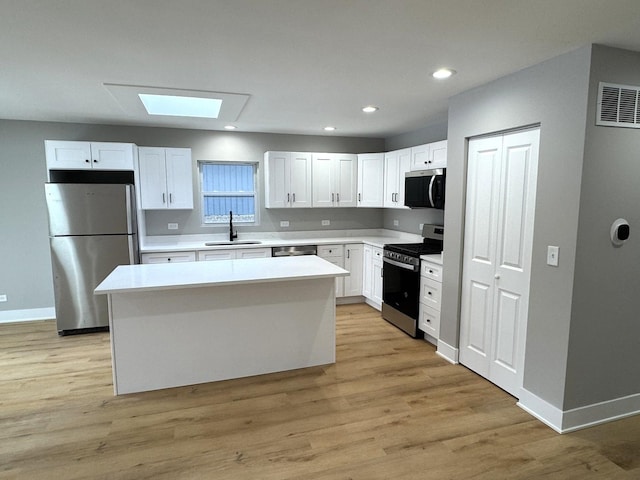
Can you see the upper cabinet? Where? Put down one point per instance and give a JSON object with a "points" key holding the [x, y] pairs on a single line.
{"points": [[166, 180], [428, 156], [371, 180], [287, 180], [334, 179], [396, 164], [67, 155]]}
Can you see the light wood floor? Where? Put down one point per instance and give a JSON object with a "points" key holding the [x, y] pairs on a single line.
{"points": [[390, 408]]}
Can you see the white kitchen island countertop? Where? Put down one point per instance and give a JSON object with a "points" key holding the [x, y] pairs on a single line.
{"points": [[130, 278]]}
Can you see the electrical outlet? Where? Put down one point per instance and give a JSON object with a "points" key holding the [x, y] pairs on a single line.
{"points": [[172, 226], [552, 255], [396, 223], [284, 223], [3, 298], [420, 227], [326, 222]]}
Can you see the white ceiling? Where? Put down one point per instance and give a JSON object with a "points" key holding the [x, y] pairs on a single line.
{"points": [[305, 63]]}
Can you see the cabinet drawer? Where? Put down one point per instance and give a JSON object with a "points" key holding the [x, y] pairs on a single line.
{"points": [[430, 293], [212, 255], [168, 257], [377, 253], [429, 321], [326, 251], [253, 253], [431, 270]]}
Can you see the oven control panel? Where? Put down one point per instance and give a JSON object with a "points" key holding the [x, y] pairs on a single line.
{"points": [[402, 258]]}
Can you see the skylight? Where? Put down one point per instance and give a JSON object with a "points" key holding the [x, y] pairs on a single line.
{"points": [[181, 106]]}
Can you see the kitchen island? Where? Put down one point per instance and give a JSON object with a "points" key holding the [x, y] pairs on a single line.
{"points": [[188, 323]]}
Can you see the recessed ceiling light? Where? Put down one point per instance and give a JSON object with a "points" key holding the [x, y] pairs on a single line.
{"points": [[181, 106], [369, 109], [329, 129], [230, 127], [443, 73]]}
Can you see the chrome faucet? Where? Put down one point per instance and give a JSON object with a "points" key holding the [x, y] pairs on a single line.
{"points": [[232, 235]]}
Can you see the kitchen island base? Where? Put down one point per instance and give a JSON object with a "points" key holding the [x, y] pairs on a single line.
{"points": [[176, 337]]}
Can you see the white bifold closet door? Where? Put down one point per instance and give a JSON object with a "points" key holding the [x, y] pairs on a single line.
{"points": [[501, 188]]}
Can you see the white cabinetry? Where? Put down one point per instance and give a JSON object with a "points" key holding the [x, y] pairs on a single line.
{"points": [[334, 254], [334, 179], [168, 257], [89, 155], [430, 299], [396, 164], [372, 276], [353, 261], [166, 180], [287, 180], [371, 180], [428, 156], [232, 254]]}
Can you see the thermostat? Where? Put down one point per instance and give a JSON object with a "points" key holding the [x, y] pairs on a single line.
{"points": [[620, 232]]}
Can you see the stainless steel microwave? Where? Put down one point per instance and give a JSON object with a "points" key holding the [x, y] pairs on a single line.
{"points": [[425, 188]]}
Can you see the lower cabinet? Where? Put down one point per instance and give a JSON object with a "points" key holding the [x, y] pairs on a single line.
{"points": [[334, 254], [353, 260], [372, 276], [168, 257], [430, 299]]}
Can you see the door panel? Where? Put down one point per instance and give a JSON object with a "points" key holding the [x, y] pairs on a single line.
{"points": [[501, 184], [300, 185]]}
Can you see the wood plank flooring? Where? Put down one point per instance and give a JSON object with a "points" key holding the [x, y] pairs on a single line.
{"points": [[390, 408]]}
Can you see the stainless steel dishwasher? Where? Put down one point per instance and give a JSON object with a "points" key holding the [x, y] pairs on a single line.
{"points": [[294, 250]]}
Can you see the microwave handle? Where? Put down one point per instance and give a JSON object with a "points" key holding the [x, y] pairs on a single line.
{"points": [[431, 182]]}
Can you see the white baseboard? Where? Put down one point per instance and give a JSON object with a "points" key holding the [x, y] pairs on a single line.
{"points": [[447, 352], [349, 300], [582, 417], [373, 304], [27, 315]]}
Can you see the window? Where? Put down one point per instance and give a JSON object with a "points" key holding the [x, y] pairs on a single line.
{"points": [[228, 187]]}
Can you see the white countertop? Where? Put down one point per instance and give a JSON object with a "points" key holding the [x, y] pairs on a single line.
{"points": [[176, 243], [131, 278], [435, 258]]}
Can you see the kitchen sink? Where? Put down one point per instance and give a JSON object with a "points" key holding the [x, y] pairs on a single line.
{"points": [[235, 242]]}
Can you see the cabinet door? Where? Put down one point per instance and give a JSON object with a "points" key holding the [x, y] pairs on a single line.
{"points": [[346, 178], [367, 271], [300, 188], [390, 179], [212, 255], [276, 180], [253, 253], [168, 257], [377, 276], [404, 165], [438, 154], [153, 178], [420, 157], [353, 263], [371, 180], [324, 194], [179, 178], [67, 155], [112, 156]]}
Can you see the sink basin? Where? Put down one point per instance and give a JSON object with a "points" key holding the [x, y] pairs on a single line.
{"points": [[236, 242]]}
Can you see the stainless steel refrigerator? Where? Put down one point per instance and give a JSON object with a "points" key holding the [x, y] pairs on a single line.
{"points": [[92, 229]]}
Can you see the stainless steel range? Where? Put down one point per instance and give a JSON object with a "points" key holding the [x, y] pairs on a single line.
{"points": [[401, 278]]}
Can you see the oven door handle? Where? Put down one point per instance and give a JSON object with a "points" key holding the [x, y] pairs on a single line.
{"points": [[406, 266]]}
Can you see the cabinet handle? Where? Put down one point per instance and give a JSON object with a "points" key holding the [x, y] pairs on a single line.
{"points": [[288, 198], [430, 271], [428, 320], [95, 161], [87, 160], [168, 259], [294, 198], [332, 198], [348, 253], [428, 293], [164, 198], [497, 276], [359, 197], [338, 197]]}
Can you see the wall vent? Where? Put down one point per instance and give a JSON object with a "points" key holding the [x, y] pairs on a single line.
{"points": [[618, 105]]}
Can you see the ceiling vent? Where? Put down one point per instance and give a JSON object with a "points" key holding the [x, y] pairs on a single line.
{"points": [[618, 105]]}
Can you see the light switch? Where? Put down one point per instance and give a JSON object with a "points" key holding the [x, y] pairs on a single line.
{"points": [[552, 255], [284, 223]]}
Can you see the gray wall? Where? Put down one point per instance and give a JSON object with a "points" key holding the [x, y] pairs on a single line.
{"points": [[603, 344], [25, 274], [554, 95]]}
